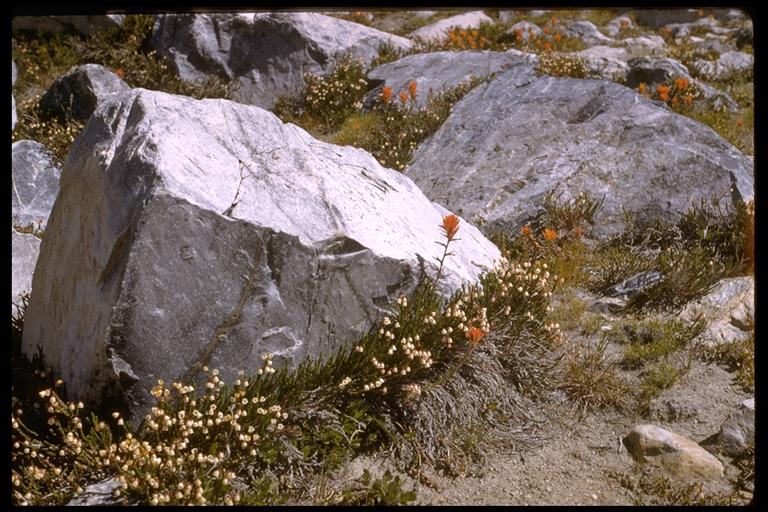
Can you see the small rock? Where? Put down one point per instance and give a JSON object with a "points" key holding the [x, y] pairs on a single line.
{"points": [[632, 286], [613, 27], [98, 494], [652, 42], [727, 66], [606, 61], [728, 310], [678, 455], [607, 306], [738, 431], [438, 30], [80, 91], [587, 32]]}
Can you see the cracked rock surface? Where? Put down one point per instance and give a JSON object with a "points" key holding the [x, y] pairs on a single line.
{"points": [[509, 142], [215, 234]]}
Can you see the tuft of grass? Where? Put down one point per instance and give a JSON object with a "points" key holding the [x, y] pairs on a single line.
{"points": [[736, 356], [591, 381], [384, 491], [653, 339]]}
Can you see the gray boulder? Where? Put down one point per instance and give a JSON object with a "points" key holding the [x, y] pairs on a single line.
{"points": [[657, 18], [80, 90], [738, 431], [438, 30], [86, 25], [265, 54], [24, 251], [613, 27], [728, 65], [191, 233], [35, 184], [678, 455], [526, 28], [438, 71], [606, 61], [511, 141], [711, 45], [729, 309], [587, 32], [652, 70], [651, 42]]}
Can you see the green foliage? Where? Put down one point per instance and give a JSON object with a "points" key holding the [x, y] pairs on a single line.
{"points": [[559, 64], [590, 380], [571, 214], [327, 100], [387, 491], [652, 339], [735, 356]]}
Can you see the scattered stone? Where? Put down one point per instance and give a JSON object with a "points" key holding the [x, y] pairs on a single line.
{"points": [[613, 27], [80, 90], [711, 44], [607, 306], [729, 65], [728, 309], [86, 25], [24, 251], [438, 71], [678, 455], [202, 244], [587, 32], [738, 431], [438, 30], [14, 118], [98, 494], [526, 28], [651, 42], [509, 142], [606, 61], [35, 181], [264, 54], [634, 285]]}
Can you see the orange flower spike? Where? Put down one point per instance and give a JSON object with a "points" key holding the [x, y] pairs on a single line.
{"points": [[681, 84], [578, 231], [403, 97], [450, 226], [550, 235], [518, 34], [663, 96], [386, 94], [526, 231], [120, 72], [558, 37], [412, 89], [642, 88], [662, 89], [463, 34], [740, 122], [688, 98], [474, 335], [475, 33]]}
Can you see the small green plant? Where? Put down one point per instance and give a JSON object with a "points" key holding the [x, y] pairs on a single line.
{"points": [[735, 356], [387, 491], [653, 339], [572, 215], [560, 64], [590, 380]]}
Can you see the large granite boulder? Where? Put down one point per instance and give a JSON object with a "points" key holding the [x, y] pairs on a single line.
{"points": [[729, 65], [35, 184], [80, 90], [606, 61], [729, 310], [587, 32], [438, 71], [510, 142], [191, 233], [86, 25], [25, 248], [265, 54], [438, 31]]}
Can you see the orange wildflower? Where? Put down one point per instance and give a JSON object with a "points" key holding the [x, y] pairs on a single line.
{"points": [[558, 37], [403, 97], [662, 89], [545, 30], [475, 334], [526, 230], [553, 19], [386, 94], [450, 226], [412, 89], [688, 98], [550, 234], [642, 88], [663, 96], [120, 72], [578, 231], [674, 101], [463, 34], [518, 34], [681, 84]]}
